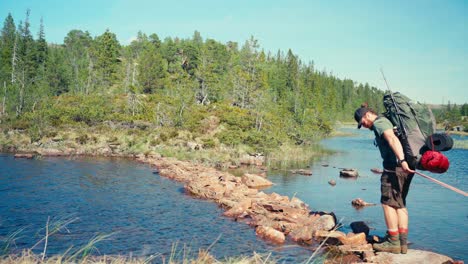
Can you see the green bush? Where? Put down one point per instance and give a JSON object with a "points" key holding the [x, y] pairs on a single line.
{"points": [[82, 139], [208, 143], [231, 137]]}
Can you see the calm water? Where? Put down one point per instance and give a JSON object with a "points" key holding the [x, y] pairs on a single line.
{"points": [[438, 216], [148, 214]]}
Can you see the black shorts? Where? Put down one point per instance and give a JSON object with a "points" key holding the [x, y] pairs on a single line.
{"points": [[394, 187]]}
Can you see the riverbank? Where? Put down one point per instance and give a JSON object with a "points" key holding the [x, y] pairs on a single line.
{"points": [[114, 140]]}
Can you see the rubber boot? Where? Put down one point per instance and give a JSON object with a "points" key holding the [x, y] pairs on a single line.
{"points": [[391, 244], [404, 242]]}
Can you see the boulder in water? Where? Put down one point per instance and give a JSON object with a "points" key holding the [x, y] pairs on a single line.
{"points": [[349, 173]]}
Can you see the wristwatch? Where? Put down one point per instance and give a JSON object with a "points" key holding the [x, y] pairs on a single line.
{"points": [[401, 161]]}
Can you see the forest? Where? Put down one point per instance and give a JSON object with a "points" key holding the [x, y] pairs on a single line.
{"points": [[222, 94]]}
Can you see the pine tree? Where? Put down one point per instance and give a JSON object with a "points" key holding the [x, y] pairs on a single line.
{"points": [[77, 54], [107, 52], [41, 50], [151, 68], [7, 43]]}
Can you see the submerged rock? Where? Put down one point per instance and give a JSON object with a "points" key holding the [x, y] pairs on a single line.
{"points": [[302, 172], [349, 173], [24, 156], [358, 202]]}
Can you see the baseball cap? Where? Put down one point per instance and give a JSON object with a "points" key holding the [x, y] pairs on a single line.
{"points": [[359, 114]]}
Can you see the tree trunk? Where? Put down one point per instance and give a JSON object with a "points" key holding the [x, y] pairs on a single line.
{"points": [[134, 73], [13, 60], [4, 98]]}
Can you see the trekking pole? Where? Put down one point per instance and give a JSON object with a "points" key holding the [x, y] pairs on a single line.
{"points": [[443, 184]]}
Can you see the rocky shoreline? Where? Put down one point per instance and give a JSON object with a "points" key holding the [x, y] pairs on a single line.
{"points": [[276, 218]]}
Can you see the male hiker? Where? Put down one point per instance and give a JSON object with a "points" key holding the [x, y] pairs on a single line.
{"points": [[395, 179]]}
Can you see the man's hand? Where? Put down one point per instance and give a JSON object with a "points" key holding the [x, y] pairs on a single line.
{"points": [[406, 168]]}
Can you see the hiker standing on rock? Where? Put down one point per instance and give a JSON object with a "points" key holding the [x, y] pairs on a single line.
{"points": [[395, 179]]}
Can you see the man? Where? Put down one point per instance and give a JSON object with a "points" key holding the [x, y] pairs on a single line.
{"points": [[395, 179]]}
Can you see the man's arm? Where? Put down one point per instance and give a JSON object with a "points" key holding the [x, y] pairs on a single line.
{"points": [[397, 148]]}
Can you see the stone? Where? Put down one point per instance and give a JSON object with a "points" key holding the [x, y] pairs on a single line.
{"points": [[325, 222], [51, 152], [332, 182], [346, 249], [353, 239], [349, 173], [302, 234], [255, 181], [358, 202], [270, 234], [360, 227], [413, 256], [24, 156], [239, 208], [302, 172]]}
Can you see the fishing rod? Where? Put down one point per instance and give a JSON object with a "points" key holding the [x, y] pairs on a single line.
{"points": [[402, 127], [450, 187]]}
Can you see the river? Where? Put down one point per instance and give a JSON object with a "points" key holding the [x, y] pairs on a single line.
{"points": [[148, 214]]}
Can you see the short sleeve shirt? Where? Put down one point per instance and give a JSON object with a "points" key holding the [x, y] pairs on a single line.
{"points": [[382, 124]]}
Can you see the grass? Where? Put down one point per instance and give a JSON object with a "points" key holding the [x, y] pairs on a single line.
{"points": [[460, 144], [125, 142], [86, 254], [288, 156]]}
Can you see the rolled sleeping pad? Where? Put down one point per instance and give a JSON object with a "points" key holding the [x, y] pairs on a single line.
{"points": [[439, 142]]}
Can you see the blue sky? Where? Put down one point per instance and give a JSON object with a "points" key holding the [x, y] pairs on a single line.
{"points": [[422, 45]]}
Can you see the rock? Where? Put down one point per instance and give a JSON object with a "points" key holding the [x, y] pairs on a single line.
{"points": [[332, 182], [255, 181], [358, 202], [350, 258], [239, 208], [255, 160], [302, 172], [325, 222], [270, 234], [353, 239], [376, 170], [346, 249], [193, 145], [349, 173], [297, 203], [360, 227], [24, 156], [413, 256], [331, 237], [302, 234], [51, 152]]}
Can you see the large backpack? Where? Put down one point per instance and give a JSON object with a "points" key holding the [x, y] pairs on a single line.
{"points": [[414, 123]]}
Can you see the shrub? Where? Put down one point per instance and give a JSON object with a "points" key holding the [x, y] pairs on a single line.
{"points": [[82, 139], [208, 143]]}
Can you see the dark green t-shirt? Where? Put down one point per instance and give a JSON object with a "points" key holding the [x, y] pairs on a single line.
{"points": [[380, 125]]}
